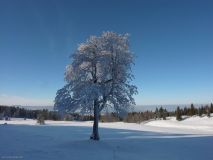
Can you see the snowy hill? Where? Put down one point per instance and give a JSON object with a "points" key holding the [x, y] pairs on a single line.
{"points": [[190, 139]]}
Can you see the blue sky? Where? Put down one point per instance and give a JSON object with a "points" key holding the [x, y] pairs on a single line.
{"points": [[172, 41]]}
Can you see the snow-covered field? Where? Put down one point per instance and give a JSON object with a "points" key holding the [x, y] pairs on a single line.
{"points": [[191, 139]]}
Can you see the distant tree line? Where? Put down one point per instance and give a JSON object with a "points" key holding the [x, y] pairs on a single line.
{"points": [[18, 112], [192, 110], [160, 113], [7, 112], [138, 117], [131, 117]]}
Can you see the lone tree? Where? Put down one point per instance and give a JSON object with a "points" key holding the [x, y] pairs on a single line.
{"points": [[98, 77]]}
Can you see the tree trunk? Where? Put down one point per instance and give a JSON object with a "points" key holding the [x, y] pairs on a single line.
{"points": [[95, 134]]}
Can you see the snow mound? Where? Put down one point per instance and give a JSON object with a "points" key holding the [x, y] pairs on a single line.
{"points": [[192, 125]]}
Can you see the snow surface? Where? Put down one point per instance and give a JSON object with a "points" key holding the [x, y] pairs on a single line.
{"points": [[190, 139]]}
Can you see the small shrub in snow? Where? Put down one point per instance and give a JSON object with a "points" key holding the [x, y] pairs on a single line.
{"points": [[208, 113], [40, 119]]}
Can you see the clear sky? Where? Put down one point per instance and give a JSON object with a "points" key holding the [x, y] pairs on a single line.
{"points": [[172, 41]]}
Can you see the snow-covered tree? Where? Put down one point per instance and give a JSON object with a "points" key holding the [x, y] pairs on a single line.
{"points": [[98, 77]]}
